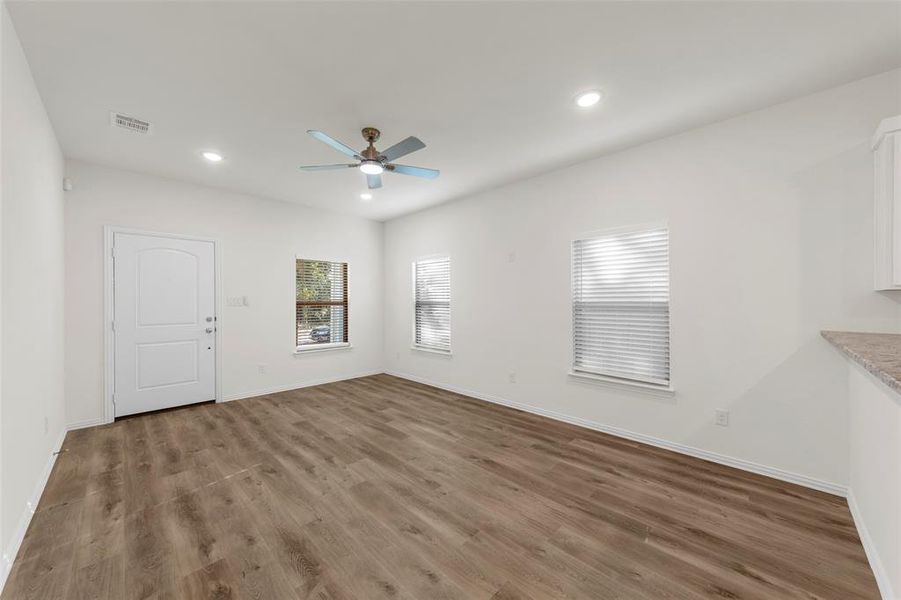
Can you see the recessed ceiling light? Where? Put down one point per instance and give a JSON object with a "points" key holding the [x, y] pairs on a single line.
{"points": [[365, 196], [587, 99], [211, 156]]}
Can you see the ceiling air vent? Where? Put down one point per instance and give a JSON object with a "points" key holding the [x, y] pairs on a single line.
{"points": [[129, 123]]}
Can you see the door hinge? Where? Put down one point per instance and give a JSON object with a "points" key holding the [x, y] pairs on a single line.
{"points": [[114, 399], [112, 251], [113, 325]]}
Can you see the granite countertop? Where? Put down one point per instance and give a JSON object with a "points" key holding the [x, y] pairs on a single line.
{"points": [[878, 353]]}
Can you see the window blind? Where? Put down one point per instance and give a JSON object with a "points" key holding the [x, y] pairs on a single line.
{"points": [[321, 306], [621, 321], [431, 291]]}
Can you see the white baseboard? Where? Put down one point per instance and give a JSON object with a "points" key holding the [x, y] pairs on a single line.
{"points": [[9, 555], [83, 424], [242, 395], [729, 461], [293, 386], [876, 564]]}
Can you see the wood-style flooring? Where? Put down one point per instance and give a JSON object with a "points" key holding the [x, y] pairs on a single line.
{"points": [[383, 488]]}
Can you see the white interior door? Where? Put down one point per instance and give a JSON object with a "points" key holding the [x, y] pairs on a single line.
{"points": [[164, 322]]}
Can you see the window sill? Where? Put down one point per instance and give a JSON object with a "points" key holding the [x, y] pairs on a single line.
{"points": [[431, 350], [625, 384], [321, 348]]}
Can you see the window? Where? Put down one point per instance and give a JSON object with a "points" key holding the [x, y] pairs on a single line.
{"points": [[431, 313], [321, 304], [621, 325]]}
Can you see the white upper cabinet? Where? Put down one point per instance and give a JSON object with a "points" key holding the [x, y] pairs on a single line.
{"points": [[887, 155]]}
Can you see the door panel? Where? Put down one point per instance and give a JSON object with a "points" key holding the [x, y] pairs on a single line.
{"points": [[167, 363], [164, 303], [167, 287]]}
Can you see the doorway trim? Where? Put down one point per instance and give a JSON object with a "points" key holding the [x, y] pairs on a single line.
{"points": [[109, 341]]}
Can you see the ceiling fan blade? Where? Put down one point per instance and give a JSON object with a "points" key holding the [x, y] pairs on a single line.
{"points": [[374, 181], [343, 148], [325, 167], [415, 171], [411, 144]]}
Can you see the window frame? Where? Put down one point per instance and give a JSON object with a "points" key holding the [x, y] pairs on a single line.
{"points": [[303, 349], [413, 343], [662, 389]]}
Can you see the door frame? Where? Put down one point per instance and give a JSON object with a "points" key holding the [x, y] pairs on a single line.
{"points": [[109, 339]]}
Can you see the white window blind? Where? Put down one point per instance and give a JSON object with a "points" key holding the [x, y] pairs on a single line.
{"points": [[321, 305], [431, 313], [621, 325]]}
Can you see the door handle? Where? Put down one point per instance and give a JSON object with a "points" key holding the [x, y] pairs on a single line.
{"points": [[209, 330]]}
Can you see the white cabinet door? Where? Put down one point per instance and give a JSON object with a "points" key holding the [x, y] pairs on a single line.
{"points": [[887, 209], [164, 322]]}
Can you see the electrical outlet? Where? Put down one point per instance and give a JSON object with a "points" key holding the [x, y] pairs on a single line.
{"points": [[261, 369], [511, 377], [722, 417]]}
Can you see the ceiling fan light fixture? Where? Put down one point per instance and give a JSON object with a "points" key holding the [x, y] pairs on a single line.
{"points": [[366, 196], [589, 98], [372, 167]]}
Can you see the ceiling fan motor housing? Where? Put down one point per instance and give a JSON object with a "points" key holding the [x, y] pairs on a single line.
{"points": [[371, 134]]}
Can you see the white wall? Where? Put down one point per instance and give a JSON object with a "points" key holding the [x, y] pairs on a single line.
{"points": [[259, 240], [876, 474], [4, 558], [31, 390], [770, 219]]}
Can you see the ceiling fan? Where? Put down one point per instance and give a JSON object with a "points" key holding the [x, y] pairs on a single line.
{"points": [[371, 161]]}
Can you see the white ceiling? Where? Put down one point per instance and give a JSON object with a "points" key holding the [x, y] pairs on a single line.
{"points": [[487, 86]]}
